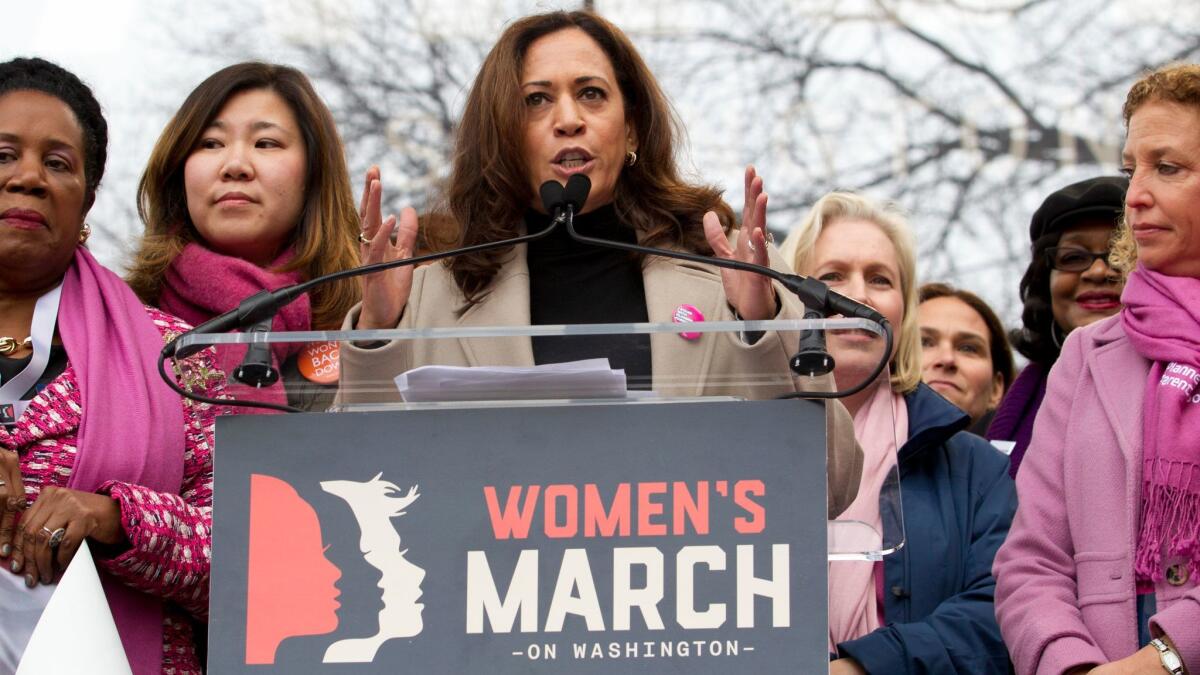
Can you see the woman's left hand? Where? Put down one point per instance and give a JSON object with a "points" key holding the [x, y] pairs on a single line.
{"points": [[1144, 661], [750, 294], [41, 555]]}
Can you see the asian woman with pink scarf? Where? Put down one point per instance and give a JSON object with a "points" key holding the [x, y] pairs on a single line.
{"points": [[246, 190]]}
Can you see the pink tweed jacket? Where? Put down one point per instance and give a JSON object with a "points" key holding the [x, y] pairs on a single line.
{"points": [[169, 534], [1065, 587]]}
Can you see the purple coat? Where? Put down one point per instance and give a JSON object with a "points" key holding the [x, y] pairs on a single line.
{"points": [[1064, 577]]}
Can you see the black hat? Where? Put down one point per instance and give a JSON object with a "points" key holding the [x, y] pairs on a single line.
{"points": [[1102, 198]]}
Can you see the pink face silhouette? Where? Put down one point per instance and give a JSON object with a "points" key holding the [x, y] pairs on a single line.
{"points": [[290, 583]]}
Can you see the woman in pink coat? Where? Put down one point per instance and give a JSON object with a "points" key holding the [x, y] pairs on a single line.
{"points": [[1099, 573]]}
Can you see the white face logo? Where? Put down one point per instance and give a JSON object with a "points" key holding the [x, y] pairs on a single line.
{"points": [[375, 503]]}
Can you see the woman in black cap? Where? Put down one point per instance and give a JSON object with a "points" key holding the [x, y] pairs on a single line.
{"points": [[1068, 284]]}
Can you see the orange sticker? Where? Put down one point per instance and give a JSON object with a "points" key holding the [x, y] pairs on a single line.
{"points": [[318, 362]]}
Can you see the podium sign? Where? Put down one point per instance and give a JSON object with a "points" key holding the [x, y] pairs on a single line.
{"points": [[607, 538]]}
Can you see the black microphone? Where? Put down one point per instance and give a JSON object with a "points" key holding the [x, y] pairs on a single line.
{"points": [[551, 193], [819, 301], [575, 193], [563, 202], [256, 369]]}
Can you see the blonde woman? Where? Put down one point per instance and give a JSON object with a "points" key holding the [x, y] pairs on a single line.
{"points": [[928, 607]]}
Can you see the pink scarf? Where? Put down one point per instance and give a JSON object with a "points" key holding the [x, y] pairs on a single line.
{"points": [[200, 284], [1162, 319], [878, 424], [132, 426]]}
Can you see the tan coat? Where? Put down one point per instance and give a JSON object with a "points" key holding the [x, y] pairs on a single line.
{"points": [[680, 367]]}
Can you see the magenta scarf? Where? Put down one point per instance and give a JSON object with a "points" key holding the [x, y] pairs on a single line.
{"points": [[132, 426], [1162, 319], [1014, 418], [200, 284]]}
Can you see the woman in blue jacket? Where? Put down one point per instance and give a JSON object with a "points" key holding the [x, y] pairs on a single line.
{"points": [[928, 607]]}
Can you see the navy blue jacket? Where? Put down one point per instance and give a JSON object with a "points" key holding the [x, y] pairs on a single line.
{"points": [[958, 502]]}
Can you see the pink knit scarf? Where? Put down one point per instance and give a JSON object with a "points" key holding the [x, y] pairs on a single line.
{"points": [[1162, 319], [879, 425], [131, 426], [200, 284]]}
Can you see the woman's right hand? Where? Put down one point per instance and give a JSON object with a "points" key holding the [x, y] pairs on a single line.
{"points": [[385, 294], [12, 500]]}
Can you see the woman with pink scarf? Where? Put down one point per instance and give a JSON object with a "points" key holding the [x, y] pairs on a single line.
{"points": [[93, 444], [927, 607], [1099, 573], [247, 190]]}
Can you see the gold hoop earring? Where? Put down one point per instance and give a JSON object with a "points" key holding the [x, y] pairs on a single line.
{"points": [[630, 158], [84, 233]]}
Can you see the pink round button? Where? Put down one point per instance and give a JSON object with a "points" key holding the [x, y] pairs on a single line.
{"points": [[687, 314]]}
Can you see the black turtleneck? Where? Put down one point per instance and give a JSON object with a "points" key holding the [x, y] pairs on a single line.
{"points": [[572, 282]]}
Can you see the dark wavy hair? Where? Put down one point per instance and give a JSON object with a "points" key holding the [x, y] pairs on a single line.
{"points": [[1000, 351], [1034, 339], [488, 191], [34, 74]]}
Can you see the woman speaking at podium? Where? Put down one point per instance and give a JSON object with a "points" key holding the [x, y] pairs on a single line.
{"points": [[562, 94], [93, 445]]}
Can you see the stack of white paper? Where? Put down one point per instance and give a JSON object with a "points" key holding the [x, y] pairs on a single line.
{"points": [[592, 378]]}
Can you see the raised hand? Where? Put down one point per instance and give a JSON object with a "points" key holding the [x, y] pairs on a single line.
{"points": [[750, 295], [385, 294]]}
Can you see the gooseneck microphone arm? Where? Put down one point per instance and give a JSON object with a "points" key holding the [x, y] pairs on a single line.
{"points": [[815, 295], [262, 306], [265, 304], [562, 203]]}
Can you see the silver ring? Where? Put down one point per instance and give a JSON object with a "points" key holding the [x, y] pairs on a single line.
{"points": [[362, 238], [770, 237], [2, 483], [57, 536]]}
